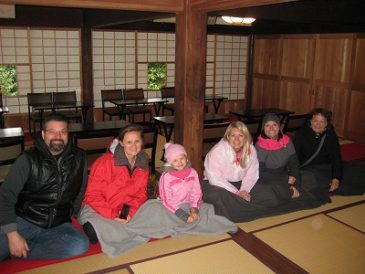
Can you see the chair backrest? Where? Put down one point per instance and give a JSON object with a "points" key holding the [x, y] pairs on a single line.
{"points": [[64, 97], [133, 94], [295, 122], [111, 94], [39, 98], [167, 92], [150, 142], [212, 134]]}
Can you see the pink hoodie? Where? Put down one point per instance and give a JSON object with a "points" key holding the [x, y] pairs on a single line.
{"points": [[179, 187], [221, 168]]}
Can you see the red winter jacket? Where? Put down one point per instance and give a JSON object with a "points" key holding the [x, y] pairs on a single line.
{"points": [[110, 184]]}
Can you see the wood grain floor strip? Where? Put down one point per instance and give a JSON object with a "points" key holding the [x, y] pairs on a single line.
{"points": [[266, 254]]}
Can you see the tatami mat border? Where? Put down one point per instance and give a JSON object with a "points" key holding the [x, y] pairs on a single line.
{"points": [[265, 253], [346, 224], [127, 265], [311, 215]]}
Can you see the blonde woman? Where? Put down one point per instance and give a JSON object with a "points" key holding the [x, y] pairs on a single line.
{"points": [[230, 176]]}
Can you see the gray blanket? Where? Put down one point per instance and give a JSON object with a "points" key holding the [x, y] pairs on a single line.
{"points": [[152, 220]]}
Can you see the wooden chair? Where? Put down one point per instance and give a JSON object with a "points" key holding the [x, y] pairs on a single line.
{"points": [[150, 143], [9, 152], [110, 94], [35, 99], [132, 110], [294, 123], [67, 98], [212, 134], [168, 93]]}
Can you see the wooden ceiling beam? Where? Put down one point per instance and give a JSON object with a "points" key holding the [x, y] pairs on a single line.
{"points": [[102, 19], [315, 11], [142, 5], [215, 5], [31, 16]]}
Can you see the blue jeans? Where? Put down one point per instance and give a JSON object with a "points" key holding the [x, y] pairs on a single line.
{"points": [[58, 242]]}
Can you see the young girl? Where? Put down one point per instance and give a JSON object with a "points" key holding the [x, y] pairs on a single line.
{"points": [[179, 186]]}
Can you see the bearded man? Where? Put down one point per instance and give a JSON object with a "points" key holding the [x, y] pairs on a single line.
{"points": [[44, 187]]}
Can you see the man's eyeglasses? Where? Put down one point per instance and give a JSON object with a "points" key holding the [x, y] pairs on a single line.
{"points": [[56, 132]]}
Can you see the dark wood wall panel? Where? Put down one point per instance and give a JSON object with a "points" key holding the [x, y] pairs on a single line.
{"points": [[322, 70], [295, 96], [358, 75], [335, 99], [297, 56], [355, 126], [267, 58], [265, 93], [333, 57]]}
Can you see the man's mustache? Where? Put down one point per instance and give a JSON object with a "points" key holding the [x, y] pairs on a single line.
{"points": [[57, 140]]}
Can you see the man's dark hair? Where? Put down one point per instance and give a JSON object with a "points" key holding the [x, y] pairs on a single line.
{"points": [[327, 114], [54, 117]]}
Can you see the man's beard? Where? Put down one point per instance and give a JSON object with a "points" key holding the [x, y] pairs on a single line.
{"points": [[56, 145]]}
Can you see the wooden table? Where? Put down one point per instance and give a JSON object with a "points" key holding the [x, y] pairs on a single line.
{"points": [[216, 100], [3, 110], [167, 122], [96, 129], [11, 133], [260, 113], [157, 103]]}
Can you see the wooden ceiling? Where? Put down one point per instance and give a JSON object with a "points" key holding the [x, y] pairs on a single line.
{"points": [[307, 16]]}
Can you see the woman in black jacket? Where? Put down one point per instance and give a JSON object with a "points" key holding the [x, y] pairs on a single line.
{"points": [[319, 153]]}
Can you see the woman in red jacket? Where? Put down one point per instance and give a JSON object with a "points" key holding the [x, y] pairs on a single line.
{"points": [[117, 184]]}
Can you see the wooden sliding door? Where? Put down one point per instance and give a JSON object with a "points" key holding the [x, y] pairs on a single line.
{"points": [[332, 72], [355, 122], [300, 72]]}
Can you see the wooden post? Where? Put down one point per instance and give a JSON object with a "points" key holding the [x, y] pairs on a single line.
{"points": [[87, 71], [190, 65], [249, 76]]}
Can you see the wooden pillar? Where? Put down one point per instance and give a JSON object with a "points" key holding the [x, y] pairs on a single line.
{"points": [[87, 71], [249, 76], [190, 65]]}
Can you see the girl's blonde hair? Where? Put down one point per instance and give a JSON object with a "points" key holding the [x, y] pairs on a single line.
{"points": [[246, 151]]}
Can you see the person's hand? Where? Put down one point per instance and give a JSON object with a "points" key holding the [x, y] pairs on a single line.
{"points": [[295, 193], [122, 221], [18, 246], [194, 215], [291, 180], [244, 195], [335, 183]]}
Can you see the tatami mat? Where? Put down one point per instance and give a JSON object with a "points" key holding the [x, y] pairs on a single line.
{"points": [[337, 201], [353, 216], [225, 257], [149, 250], [319, 244], [120, 271]]}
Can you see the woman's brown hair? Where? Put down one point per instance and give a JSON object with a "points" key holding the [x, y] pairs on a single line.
{"points": [[129, 128]]}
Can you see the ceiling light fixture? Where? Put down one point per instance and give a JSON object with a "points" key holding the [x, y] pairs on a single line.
{"points": [[238, 20]]}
